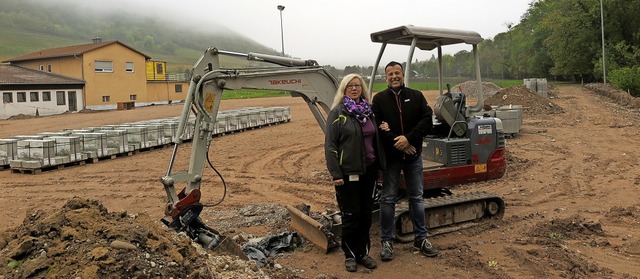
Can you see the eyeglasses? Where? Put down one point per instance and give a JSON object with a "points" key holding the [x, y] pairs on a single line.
{"points": [[355, 86]]}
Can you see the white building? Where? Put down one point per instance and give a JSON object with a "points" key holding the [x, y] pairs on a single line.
{"points": [[33, 92]]}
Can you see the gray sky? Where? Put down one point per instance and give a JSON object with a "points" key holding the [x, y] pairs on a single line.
{"points": [[330, 31]]}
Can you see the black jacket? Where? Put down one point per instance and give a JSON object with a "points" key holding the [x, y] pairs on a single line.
{"points": [[407, 115], [344, 144]]}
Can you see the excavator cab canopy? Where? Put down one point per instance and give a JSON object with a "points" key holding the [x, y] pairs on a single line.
{"points": [[429, 38]]}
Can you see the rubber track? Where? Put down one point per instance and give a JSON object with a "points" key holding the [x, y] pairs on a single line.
{"points": [[453, 201]]}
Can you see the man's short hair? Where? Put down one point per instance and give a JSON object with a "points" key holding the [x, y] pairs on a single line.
{"points": [[393, 63]]}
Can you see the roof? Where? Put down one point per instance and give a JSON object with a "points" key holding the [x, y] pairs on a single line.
{"points": [[428, 37], [17, 75], [69, 51]]}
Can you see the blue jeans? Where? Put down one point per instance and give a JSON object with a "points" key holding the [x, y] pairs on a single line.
{"points": [[412, 170]]}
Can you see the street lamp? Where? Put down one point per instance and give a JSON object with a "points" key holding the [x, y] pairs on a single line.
{"points": [[604, 69], [280, 8]]}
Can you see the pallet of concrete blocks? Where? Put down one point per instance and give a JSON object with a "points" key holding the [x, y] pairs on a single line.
{"points": [[94, 145], [158, 133], [511, 117], [283, 114], [152, 134], [34, 154], [136, 136], [117, 142], [233, 123], [252, 117], [271, 115], [221, 126], [8, 151], [67, 149], [169, 129], [243, 119]]}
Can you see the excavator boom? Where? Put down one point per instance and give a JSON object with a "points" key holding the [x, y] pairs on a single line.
{"points": [[300, 78]]}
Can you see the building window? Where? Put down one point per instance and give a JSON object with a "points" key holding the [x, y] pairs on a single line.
{"points": [[104, 66], [49, 68], [106, 99], [129, 67], [21, 97], [133, 97], [60, 98], [41, 67], [159, 69], [46, 96], [178, 88], [7, 97], [34, 96]]}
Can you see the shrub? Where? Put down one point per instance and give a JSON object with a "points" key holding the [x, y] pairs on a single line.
{"points": [[627, 79]]}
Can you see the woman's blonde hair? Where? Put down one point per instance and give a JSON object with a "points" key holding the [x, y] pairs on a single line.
{"points": [[343, 86]]}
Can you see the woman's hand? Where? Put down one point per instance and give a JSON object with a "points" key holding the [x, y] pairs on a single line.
{"points": [[338, 182], [384, 126]]}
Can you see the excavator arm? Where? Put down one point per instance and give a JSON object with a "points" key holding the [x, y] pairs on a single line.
{"points": [[300, 78]]}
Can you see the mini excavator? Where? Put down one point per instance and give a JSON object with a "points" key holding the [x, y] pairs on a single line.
{"points": [[464, 147]]}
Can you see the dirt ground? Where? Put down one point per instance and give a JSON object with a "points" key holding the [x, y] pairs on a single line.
{"points": [[572, 193]]}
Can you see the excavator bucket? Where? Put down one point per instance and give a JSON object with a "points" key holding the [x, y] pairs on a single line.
{"points": [[229, 247], [311, 229]]}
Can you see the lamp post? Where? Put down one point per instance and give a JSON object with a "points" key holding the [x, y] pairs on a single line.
{"points": [[604, 69], [280, 8]]}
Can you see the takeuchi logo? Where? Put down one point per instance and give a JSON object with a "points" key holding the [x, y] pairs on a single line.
{"points": [[285, 81]]}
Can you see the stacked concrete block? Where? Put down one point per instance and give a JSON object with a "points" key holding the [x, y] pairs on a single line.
{"points": [[220, 127], [136, 136], [243, 120], [117, 141], [152, 135], [94, 145], [34, 153], [8, 151], [232, 121], [282, 114], [271, 115], [511, 117], [67, 149]]}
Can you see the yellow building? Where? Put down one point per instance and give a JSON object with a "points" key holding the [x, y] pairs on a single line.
{"points": [[114, 74]]}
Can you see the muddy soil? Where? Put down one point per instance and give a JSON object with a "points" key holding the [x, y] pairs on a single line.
{"points": [[571, 192]]}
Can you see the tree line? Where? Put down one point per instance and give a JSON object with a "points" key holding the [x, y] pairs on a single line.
{"points": [[558, 40]]}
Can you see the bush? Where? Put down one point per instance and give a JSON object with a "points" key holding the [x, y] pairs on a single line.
{"points": [[627, 79]]}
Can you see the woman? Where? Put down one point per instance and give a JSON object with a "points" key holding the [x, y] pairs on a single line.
{"points": [[353, 159]]}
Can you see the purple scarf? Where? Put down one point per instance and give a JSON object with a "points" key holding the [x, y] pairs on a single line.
{"points": [[361, 110]]}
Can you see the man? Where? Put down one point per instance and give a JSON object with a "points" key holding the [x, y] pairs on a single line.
{"points": [[408, 117]]}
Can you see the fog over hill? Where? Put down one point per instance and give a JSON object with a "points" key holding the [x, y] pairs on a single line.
{"points": [[31, 25]]}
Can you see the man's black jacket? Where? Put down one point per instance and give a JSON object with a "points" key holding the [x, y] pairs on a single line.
{"points": [[407, 113]]}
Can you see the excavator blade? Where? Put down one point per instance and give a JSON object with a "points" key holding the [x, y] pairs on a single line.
{"points": [[310, 229]]}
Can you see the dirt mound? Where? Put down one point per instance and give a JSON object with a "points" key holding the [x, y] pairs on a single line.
{"points": [[21, 116], [470, 89], [84, 240], [532, 104]]}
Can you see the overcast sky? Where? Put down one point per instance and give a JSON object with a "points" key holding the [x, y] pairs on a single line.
{"points": [[330, 31]]}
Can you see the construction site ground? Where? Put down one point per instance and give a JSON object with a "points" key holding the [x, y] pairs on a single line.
{"points": [[572, 193]]}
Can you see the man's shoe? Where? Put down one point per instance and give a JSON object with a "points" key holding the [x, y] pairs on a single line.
{"points": [[425, 247], [368, 262], [350, 265], [386, 254]]}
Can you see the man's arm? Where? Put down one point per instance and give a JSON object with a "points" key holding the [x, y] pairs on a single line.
{"points": [[424, 125]]}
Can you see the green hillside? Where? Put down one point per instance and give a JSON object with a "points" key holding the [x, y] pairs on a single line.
{"points": [[27, 26]]}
